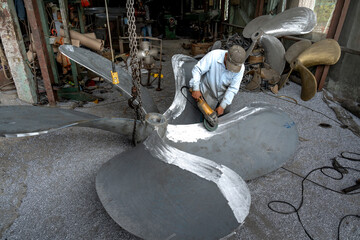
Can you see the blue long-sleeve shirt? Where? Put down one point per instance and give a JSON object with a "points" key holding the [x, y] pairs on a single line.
{"points": [[210, 76]]}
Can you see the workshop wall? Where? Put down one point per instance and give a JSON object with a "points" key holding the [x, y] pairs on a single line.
{"points": [[343, 78]]}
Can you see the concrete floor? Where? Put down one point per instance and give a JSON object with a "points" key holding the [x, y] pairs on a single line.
{"points": [[47, 182]]}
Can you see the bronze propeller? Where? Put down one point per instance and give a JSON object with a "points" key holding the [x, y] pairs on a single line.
{"points": [[324, 52]]}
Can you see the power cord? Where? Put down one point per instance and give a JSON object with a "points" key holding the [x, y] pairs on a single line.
{"points": [[341, 171], [192, 104], [296, 103]]}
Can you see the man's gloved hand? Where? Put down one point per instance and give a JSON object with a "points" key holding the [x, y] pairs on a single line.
{"points": [[219, 110], [196, 94]]}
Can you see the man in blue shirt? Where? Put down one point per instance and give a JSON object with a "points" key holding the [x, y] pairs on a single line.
{"points": [[217, 77]]}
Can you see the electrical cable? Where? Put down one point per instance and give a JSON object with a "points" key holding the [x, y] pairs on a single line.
{"points": [[322, 170], [281, 98], [181, 90]]}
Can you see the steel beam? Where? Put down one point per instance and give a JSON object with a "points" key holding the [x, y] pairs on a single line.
{"points": [[45, 27], [81, 19], [33, 15], [15, 52], [67, 39]]}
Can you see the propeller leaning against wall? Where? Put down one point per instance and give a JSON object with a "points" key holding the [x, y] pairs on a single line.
{"points": [[263, 30], [301, 56]]}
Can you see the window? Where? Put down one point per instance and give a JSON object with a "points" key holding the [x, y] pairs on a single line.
{"points": [[324, 10]]}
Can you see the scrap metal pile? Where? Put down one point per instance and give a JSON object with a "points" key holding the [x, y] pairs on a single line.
{"points": [[267, 56]]}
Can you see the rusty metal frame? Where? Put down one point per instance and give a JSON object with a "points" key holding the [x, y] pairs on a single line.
{"points": [[158, 67], [259, 8], [33, 15]]}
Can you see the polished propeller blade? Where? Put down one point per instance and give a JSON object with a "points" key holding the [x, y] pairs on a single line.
{"points": [[156, 191], [253, 141], [148, 60], [183, 109], [153, 52], [145, 45], [294, 21], [255, 24], [274, 52], [294, 50], [324, 52], [308, 83], [23, 121], [103, 67]]}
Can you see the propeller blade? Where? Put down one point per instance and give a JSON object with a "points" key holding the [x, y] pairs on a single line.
{"points": [[156, 191], [183, 109], [284, 78], [294, 21], [308, 83], [141, 54], [15, 122], [294, 50], [255, 24], [274, 52], [153, 52], [266, 138], [21, 121], [145, 46], [251, 48], [103, 67], [324, 52], [148, 60]]}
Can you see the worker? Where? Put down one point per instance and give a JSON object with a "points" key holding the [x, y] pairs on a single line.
{"points": [[146, 26], [217, 77]]}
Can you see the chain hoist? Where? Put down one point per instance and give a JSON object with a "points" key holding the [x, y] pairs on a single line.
{"points": [[135, 67]]}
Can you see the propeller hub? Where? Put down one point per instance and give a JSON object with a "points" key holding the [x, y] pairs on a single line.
{"points": [[156, 121], [256, 35]]}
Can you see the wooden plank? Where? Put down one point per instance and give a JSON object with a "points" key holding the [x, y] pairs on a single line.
{"points": [[33, 15], [15, 52]]}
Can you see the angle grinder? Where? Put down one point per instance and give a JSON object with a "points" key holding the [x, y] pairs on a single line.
{"points": [[210, 116]]}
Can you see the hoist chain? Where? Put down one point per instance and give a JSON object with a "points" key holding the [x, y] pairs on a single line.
{"points": [[135, 66]]}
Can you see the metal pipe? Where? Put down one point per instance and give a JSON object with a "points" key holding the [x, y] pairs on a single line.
{"points": [[63, 12], [108, 26]]}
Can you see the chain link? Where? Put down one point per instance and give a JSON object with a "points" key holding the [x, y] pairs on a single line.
{"points": [[135, 66]]}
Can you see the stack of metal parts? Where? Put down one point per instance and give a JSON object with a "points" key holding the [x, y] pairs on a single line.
{"points": [[266, 53]]}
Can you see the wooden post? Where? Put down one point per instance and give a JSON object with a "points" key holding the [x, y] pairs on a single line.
{"points": [[15, 52], [33, 15], [335, 28]]}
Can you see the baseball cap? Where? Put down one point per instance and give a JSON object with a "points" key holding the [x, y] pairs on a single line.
{"points": [[235, 58]]}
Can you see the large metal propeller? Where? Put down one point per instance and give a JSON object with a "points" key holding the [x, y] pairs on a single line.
{"points": [[264, 30], [146, 53], [180, 182], [324, 52]]}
